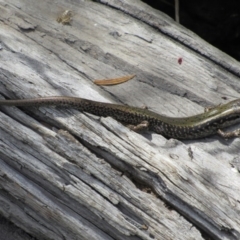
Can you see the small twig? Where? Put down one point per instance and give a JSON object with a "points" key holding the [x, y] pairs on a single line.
{"points": [[177, 11]]}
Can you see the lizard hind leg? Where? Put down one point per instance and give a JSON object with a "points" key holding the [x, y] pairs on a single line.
{"points": [[139, 127]]}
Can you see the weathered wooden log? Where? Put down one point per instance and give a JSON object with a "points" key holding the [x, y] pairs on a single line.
{"points": [[71, 175]]}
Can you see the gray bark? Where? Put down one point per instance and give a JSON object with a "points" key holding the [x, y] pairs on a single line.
{"points": [[71, 175]]}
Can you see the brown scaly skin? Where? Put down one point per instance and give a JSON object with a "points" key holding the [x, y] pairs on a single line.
{"points": [[197, 126]]}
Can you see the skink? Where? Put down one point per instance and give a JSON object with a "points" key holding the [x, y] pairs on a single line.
{"points": [[193, 127]]}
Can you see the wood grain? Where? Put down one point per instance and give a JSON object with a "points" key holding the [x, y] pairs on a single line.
{"points": [[70, 175]]}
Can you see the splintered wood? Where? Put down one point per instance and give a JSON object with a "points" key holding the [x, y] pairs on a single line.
{"points": [[65, 17]]}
